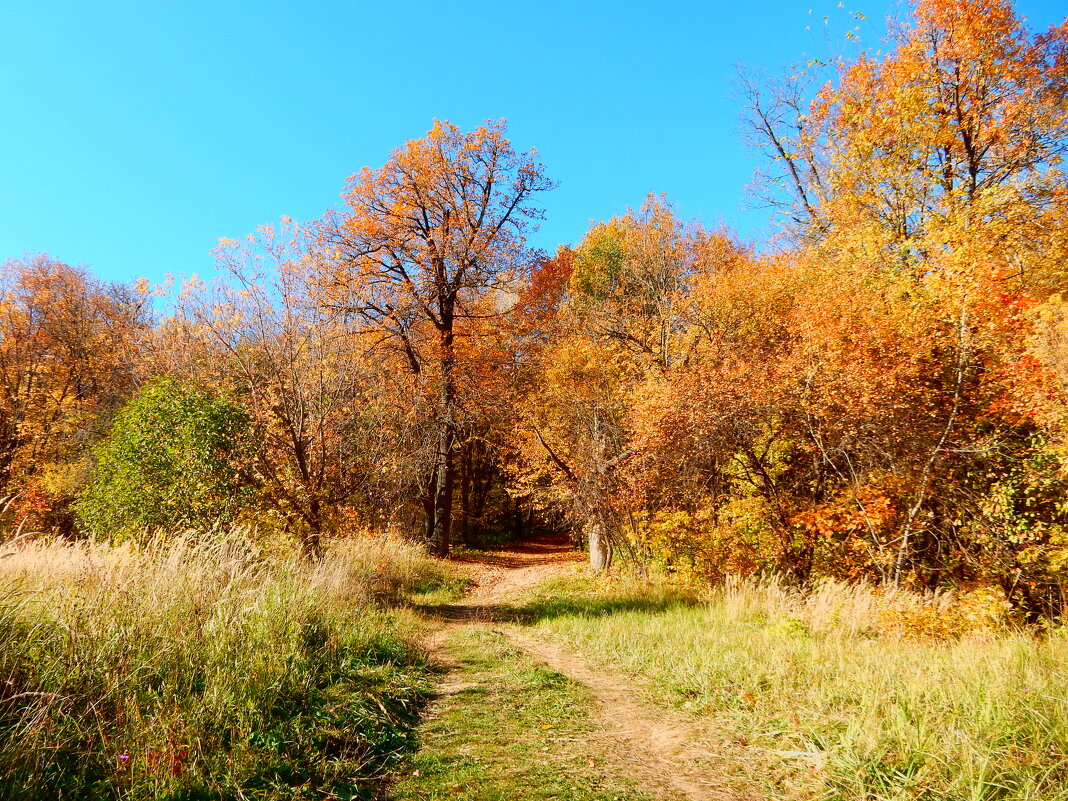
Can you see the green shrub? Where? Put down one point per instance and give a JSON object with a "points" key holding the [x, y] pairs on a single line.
{"points": [[175, 456]]}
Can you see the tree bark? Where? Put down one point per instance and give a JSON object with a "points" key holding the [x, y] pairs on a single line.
{"points": [[599, 544], [466, 470], [517, 520], [441, 529], [311, 543]]}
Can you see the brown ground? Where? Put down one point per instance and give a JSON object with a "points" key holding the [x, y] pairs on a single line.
{"points": [[671, 756]]}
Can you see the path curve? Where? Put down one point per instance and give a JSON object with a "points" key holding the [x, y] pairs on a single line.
{"points": [[672, 756]]}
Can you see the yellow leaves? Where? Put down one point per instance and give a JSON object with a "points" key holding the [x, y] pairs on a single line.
{"points": [[959, 112], [710, 544], [190, 285], [982, 610]]}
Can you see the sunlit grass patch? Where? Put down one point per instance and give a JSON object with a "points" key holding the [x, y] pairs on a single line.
{"points": [[825, 682], [573, 594], [509, 731]]}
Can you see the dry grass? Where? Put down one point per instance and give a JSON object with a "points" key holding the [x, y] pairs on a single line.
{"points": [[856, 692], [196, 667]]}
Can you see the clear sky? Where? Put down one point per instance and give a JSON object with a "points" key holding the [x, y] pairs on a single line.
{"points": [[136, 133]]}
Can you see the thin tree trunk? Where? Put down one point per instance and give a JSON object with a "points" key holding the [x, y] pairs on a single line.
{"points": [[517, 521], [427, 500], [599, 544], [466, 470], [928, 468]]}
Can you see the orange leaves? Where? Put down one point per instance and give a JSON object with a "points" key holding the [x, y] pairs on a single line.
{"points": [[868, 511], [436, 227], [66, 348], [951, 141], [443, 206], [930, 204]]}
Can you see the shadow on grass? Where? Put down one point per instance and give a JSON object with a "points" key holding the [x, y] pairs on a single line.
{"points": [[539, 609]]}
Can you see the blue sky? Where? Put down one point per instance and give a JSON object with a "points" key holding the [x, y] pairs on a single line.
{"points": [[136, 134]]}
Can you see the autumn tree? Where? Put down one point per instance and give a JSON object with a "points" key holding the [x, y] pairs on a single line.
{"points": [[715, 470], [962, 125], [67, 356], [617, 327], [424, 245], [929, 182], [339, 439], [575, 438], [947, 166]]}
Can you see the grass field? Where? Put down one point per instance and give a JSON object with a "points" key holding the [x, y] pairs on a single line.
{"points": [[857, 694], [189, 670], [202, 669]]}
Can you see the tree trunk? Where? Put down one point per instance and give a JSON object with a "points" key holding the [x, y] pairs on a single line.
{"points": [[440, 531], [311, 541], [600, 546], [466, 470], [517, 520], [428, 507]]}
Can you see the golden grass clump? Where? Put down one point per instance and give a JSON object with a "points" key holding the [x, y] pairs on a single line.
{"points": [[195, 666]]}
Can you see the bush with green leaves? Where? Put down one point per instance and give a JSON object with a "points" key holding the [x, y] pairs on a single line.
{"points": [[176, 456]]}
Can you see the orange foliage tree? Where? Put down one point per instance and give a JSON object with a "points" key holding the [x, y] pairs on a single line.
{"points": [[930, 199], [67, 357], [427, 244], [617, 325]]}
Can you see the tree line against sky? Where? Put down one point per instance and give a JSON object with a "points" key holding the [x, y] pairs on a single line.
{"points": [[878, 393]]}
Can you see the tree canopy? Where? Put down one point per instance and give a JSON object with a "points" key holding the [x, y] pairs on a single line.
{"points": [[878, 394]]}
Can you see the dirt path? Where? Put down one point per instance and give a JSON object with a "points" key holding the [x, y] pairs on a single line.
{"points": [[670, 756]]}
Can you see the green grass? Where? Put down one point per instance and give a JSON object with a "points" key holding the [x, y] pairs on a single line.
{"points": [[826, 685], [190, 670], [510, 731]]}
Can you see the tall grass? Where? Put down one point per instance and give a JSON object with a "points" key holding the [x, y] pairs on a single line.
{"points": [[849, 692], [195, 668]]}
